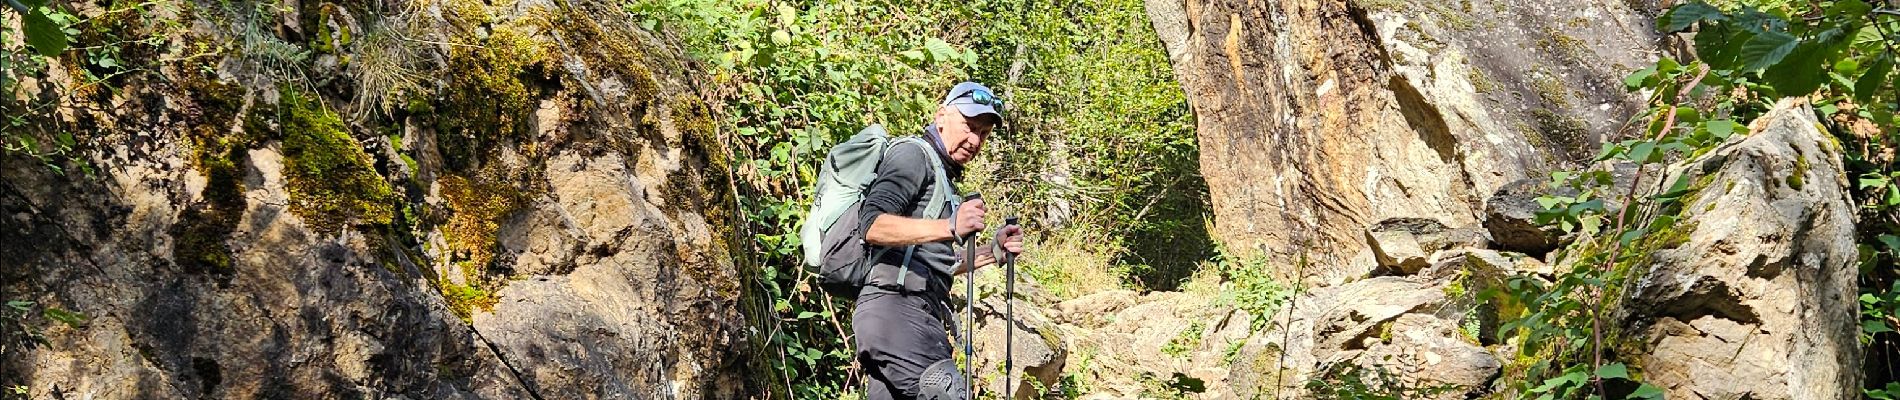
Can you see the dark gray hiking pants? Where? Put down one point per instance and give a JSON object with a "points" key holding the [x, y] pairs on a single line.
{"points": [[898, 336]]}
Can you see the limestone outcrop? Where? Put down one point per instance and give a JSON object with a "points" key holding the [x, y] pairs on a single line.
{"points": [[401, 200], [1320, 117]]}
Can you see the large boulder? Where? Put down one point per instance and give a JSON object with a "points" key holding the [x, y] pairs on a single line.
{"points": [[543, 222], [1752, 294], [1317, 118], [1142, 345], [1405, 333]]}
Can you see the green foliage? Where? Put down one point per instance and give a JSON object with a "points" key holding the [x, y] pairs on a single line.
{"points": [[1249, 285], [1889, 392], [1185, 342], [121, 40], [464, 300], [45, 26], [1841, 54], [1751, 55], [1176, 386], [19, 329]]}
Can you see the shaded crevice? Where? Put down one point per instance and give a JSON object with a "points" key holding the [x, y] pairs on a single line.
{"points": [[1425, 120], [1709, 297]]}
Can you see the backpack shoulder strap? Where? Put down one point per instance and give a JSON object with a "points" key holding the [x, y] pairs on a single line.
{"points": [[941, 195], [944, 192]]}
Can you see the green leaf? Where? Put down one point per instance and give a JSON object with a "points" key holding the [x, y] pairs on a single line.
{"points": [[1797, 74], [1874, 327], [1874, 78], [1610, 150], [1647, 391], [912, 55], [1638, 79], [1723, 128], [787, 15], [1688, 14], [941, 51], [21, 305], [1766, 49], [1643, 152], [1613, 370], [1688, 115], [1631, 236], [46, 36], [1892, 242], [73, 319], [1850, 8], [1721, 46]]}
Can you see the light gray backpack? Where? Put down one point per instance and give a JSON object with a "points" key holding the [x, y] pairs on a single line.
{"points": [[833, 236]]}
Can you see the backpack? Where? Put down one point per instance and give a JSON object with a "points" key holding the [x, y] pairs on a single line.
{"points": [[833, 235]]}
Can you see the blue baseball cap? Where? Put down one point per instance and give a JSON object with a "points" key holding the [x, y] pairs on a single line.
{"points": [[973, 99]]}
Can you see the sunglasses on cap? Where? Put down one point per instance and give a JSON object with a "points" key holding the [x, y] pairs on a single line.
{"points": [[983, 97]]}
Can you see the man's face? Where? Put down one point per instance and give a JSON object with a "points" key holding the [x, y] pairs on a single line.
{"points": [[963, 137]]}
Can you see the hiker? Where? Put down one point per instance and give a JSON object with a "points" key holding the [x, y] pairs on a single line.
{"points": [[900, 318]]}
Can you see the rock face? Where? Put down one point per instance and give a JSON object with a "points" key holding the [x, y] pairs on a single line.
{"points": [[1753, 296], [1320, 117], [543, 222]]}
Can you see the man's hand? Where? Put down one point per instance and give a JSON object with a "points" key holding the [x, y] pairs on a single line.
{"points": [[1011, 239], [969, 218]]}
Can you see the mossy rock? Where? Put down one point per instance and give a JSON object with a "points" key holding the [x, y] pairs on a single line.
{"points": [[219, 154], [329, 177], [479, 206], [488, 100]]}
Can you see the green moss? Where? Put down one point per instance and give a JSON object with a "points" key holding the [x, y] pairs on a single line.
{"points": [[1568, 133], [608, 49], [1800, 171], [1265, 364], [327, 173], [1452, 18], [479, 206], [1551, 89], [464, 300], [1557, 42], [487, 100], [1184, 342], [1381, 5], [1456, 289], [218, 153], [332, 34], [1480, 81]]}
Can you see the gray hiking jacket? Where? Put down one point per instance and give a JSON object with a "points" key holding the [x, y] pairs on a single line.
{"points": [[903, 186]]}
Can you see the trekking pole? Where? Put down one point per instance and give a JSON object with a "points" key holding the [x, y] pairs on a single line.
{"points": [[1009, 312], [969, 314], [969, 310]]}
